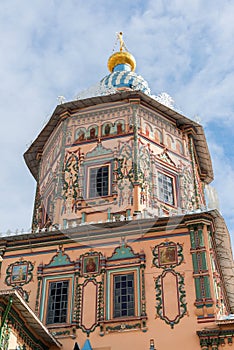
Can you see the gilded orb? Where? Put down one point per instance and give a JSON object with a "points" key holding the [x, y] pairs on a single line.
{"points": [[121, 57]]}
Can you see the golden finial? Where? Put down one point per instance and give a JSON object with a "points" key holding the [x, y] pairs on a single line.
{"points": [[122, 56]]}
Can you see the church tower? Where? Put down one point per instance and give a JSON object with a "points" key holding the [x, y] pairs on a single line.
{"points": [[124, 251], [117, 156]]}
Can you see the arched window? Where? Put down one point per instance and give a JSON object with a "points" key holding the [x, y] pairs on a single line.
{"points": [[93, 132], [80, 134], [179, 147], [120, 128], [107, 129], [158, 136], [170, 142]]}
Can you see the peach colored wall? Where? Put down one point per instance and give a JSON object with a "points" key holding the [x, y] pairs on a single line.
{"points": [[183, 333]]}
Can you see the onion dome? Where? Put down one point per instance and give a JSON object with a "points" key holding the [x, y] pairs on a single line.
{"points": [[122, 76], [122, 65]]}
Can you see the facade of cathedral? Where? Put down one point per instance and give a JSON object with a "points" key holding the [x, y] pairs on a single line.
{"points": [[123, 251]]}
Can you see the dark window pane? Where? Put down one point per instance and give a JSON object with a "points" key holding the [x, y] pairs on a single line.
{"points": [[99, 181], [123, 297], [57, 302]]}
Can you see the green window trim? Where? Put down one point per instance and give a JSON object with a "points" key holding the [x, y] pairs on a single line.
{"points": [[137, 289], [192, 239], [197, 288], [201, 237], [48, 279], [195, 263], [204, 261], [123, 295], [207, 286]]}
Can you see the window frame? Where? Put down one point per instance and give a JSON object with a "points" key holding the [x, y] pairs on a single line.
{"points": [[49, 318], [45, 298], [173, 183], [98, 166], [110, 293], [120, 308]]}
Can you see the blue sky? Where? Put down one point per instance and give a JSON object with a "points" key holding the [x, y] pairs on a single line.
{"points": [[53, 48]]}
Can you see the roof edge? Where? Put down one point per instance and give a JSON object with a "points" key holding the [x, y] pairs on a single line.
{"points": [[31, 154]]}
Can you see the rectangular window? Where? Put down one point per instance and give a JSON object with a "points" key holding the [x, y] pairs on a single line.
{"points": [[124, 303], [57, 302], [99, 181], [165, 185]]}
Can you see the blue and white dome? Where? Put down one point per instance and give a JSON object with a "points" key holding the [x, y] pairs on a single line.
{"points": [[123, 77], [121, 65]]}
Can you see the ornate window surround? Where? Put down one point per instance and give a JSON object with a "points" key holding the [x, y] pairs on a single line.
{"points": [[98, 157], [125, 261], [60, 268]]}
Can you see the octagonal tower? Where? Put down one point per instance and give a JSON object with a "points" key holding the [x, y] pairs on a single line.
{"points": [[117, 156]]}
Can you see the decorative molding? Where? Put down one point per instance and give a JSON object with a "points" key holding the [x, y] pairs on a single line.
{"points": [[134, 324], [103, 115], [204, 302], [19, 273], [60, 333], [60, 259], [71, 176], [96, 307], [122, 252], [123, 326], [99, 150], [38, 296], [123, 173], [87, 324], [124, 261], [165, 157], [90, 264], [54, 141], [89, 294], [167, 254], [157, 120], [76, 310], [215, 337], [180, 306]]}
